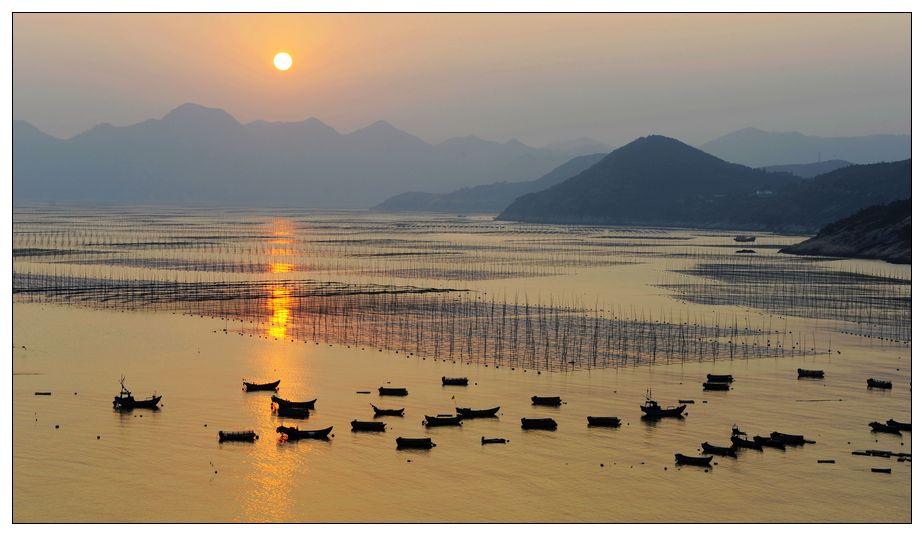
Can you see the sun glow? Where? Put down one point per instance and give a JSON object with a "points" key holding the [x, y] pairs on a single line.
{"points": [[282, 61]]}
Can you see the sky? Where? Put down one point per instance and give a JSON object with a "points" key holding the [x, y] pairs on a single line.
{"points": [[538, 78]]}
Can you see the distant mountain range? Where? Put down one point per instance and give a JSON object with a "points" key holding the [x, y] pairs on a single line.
{"points": [[199, 155], [879, 232], [490, 198], [759, 148], [661, 181], [807, 171]]}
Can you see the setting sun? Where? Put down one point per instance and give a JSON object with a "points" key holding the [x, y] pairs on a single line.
{"points": [[282, 61]]}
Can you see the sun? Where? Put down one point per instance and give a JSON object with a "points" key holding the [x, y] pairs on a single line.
{"points": [[282, 61]]}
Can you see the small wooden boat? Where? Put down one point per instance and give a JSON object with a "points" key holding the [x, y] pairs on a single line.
{"points": [[884, 428], [731, 451], [538, 424], [248, 435], [294, 413], [745, 251], [414, 442], [702, 461], [492, 440], [653, 410], [271, 386], [906, 426], [43, 393], [455, 381], [283, 403], [469, 413], [612, 422], [546, 401], [806, 373], [887, 470], [720, 378], [385, 412], [291, 433], [125, 400], [442, 420], [716, 386], [392, 391], [743, 443], [790, 439], [745, 238], [873, 383], [367, 426], [769, 442]]}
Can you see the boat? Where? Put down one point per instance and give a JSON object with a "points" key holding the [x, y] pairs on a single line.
{"points": [[385, 412], [887, 470], [807, 373], [493, 440], [873, 383], [769, 442], [612, 422], [392, 391], [455, 381], [653, 410], [295, 413], [414, 442], [884, 428], [745, 238], [367, 426], [546, 400], [125, 400], [283, 403], [790, 439], [743, 443], [442, 420], [716, 386], [720, 378], [745, 251], [731, 451], [538, 424], [292, 433], [702, 461], [906, 426], [248, 435], [469, 413], [271, 386]]}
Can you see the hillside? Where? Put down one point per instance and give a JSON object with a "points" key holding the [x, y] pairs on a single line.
{"points": [[807, 171], [879, 232]]}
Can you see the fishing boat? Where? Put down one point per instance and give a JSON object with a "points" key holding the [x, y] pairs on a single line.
{"points": [[716, 386], [271, 386], [612, 422], [546, 401], [731, 451], [745, 251], [385, 412], [653, 410], [720, 378], [790, 439], [884, 428], [367, 426], [125, 400], [702, 461], [414, 442], [469, 413], [807, 373], [294, 413], [745, 238], [492, 440], [392, 391], [283, 403], [455, 381], [442, 420], [769, 442], [291, 433], [538, 424], [744, 443], [906, 426], [248, 435], [873, 383]]}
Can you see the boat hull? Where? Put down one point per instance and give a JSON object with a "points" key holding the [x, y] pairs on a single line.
{"points": [[392, 391], [469, 413], [442, 421], [294, 434], [367, 426], [611, 422], [704, 461], [538, 424], [251, 387], [553, 401], [414, 443], [731, 452]]}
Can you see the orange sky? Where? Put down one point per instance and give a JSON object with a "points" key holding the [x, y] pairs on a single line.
{"points": [[539, 78]]}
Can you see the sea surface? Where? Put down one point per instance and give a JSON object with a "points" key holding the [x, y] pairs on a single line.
{"points": [[187, 303]]}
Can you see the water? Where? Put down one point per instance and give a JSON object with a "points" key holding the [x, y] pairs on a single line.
{"points": [[196, 354]]}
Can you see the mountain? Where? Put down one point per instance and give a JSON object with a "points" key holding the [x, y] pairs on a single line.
{"points": [[661, 181], [485, 198], [204, 156], [807, 171], [879, 232], [757, 148]]}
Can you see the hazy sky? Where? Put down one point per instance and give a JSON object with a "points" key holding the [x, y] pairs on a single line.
{"points": [[538, 78]]}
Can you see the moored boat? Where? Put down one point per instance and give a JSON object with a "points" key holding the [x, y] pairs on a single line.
{"points": [[906, 426], [392, 391], [414, 443], [731, 451], [546, 400], [702, 461], [744, 443], [248, 435], [790, 439], [271, 386], [492, 440], [769, 442], [367, 426], [469, 413], [808, 373], [720, 378], [653, 410], [612, 422], [716, 386], [455, 381], [283, 403], [125, 400], [538, 424], [292, 433], [442, 420], [294, 413], [385, 412], [745, 238], [884, 428], [872, 383]]}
